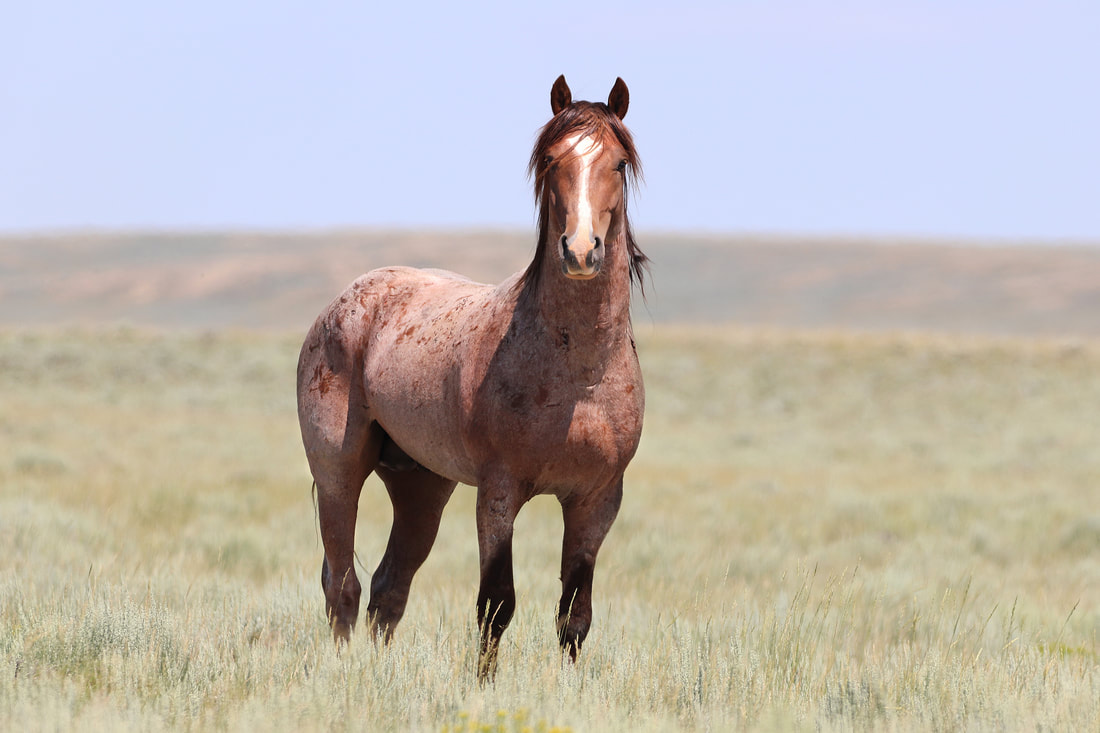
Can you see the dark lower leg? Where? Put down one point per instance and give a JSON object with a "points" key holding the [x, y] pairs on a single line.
{"points": [[575, 606], [496, 603], [587, 522], [497, 506]]}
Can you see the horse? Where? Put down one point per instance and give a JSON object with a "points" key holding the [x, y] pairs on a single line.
{"points": [[529, 387]]}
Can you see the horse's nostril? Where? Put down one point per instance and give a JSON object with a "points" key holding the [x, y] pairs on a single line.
{"points": [[564, 243], [599, 242]]}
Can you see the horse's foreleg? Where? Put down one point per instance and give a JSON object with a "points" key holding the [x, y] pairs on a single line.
{"points": [[418, 498], [587, 521], [498, 502]]}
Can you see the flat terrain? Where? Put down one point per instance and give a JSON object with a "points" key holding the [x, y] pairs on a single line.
{"points": [[849, 511], [269, 281], [820, 532]]}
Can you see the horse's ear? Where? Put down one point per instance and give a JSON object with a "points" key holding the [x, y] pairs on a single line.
{"points": [[560, 96], [619, 99]]}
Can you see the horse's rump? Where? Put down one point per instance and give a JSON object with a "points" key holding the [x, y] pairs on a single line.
{"points": [[421, 329]]}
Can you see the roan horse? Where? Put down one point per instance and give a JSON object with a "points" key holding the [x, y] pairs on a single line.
{"points": [[529, 387]]}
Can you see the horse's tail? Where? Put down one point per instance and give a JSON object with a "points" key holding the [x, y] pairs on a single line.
{"points": [[316, 516]]}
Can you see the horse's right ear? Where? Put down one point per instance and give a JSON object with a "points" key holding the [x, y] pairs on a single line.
{"points": [[619, 99], [560, 96]]}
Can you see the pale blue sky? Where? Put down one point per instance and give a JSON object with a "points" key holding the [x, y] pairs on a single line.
{"points": [[974, 119]]}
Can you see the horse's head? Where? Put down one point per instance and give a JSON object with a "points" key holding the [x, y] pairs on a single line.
{"points": [[583, 163]]}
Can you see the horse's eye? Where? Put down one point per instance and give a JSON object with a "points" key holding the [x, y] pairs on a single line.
{"points": [[548, 160], [621, 166]]}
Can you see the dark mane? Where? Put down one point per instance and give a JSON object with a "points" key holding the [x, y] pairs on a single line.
{"points": [[588, 119]]}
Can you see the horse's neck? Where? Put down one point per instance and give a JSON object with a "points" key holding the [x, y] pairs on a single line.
{"points": [[590, 319], [593, 308]]}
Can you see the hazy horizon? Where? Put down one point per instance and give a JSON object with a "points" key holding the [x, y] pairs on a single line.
{"points": [[730, 237]]}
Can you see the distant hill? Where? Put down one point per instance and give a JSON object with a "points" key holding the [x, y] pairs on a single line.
{"points": [[280, 281]]}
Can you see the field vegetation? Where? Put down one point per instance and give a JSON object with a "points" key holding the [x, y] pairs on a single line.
{"points": [[821, 531]]}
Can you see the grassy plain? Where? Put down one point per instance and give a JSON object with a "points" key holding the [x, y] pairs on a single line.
{"points": [[821, 531]]}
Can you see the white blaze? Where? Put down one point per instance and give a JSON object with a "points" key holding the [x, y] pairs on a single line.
{"points": [[587, 150]]}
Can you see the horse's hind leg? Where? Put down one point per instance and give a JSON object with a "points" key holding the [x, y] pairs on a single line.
{"points": [[418, 498], [342, 446], [587, 521], [339, 484], [337, 506]]}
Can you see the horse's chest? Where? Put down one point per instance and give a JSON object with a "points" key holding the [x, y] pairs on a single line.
{"points": [[603, 432], [562, 436]]}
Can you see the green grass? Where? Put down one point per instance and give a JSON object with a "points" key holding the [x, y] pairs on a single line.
{"points": [[820, 532]]}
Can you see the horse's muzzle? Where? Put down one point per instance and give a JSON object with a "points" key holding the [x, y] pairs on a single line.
{"points": [[583, 265]]}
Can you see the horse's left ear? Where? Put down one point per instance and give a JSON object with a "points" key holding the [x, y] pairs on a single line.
{"points": [[560, 96], [619, 99]]}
